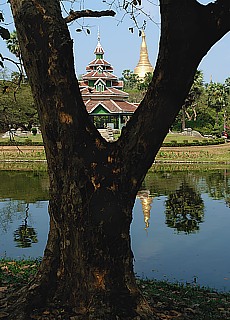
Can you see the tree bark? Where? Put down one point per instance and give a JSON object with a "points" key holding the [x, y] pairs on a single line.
{"points": [[88, 263], [183, 124]]}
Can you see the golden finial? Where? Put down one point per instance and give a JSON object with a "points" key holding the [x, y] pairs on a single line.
{"points": [[144, 66]]}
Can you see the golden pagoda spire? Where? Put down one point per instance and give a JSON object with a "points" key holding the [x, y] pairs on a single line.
{"points": [[144, 64]]}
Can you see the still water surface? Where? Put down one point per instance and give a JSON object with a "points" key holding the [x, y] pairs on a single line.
{"points": [[180, 230]]}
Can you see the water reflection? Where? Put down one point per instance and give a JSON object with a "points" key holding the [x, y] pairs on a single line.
{"points": [[185, 211], [24, 221], [146, 201], [25, 235]]}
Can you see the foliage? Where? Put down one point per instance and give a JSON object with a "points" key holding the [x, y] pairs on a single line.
{"points": [[200, 107], [217, 97], [134, 86], [196, 90], [131, 80], [135, 95], [17, 271], [184, 209], [206, 108], [16, 106], [189, 108], [144, 84], [193, 142], [178, 301], [34, 131], [13, 44]]}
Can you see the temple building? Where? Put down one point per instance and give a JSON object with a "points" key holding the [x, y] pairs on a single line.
{"points": [[144, 66], [102, 93]]}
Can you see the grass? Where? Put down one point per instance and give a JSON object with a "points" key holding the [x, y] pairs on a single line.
{"points": [[194, 156], [177, 301], [189, 154], [180, 138], [36, 138], [211, 153], [22, 153], [169, 300], [170, 137], [17, 272]]}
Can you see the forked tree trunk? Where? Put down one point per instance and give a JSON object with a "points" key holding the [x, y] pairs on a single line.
{"points": [[88, 263]]}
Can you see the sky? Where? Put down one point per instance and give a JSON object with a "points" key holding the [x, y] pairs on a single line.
{"points": [[122, 48]]}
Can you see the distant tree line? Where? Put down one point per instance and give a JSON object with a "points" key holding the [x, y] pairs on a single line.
{"points": [[17, 107], [206, 108]]}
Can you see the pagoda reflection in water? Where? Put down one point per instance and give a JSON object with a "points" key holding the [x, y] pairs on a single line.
{"points": [[146, 202]]}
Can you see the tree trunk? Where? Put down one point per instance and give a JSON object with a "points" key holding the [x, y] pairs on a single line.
{"points": [[87, 267], [183, 125]]}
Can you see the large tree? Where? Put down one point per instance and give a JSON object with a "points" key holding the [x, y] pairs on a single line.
{"points": [[87, 266]]}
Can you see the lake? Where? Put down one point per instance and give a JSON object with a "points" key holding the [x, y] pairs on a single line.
{"points": [[180, 229]]}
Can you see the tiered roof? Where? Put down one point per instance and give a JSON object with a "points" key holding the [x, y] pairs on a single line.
{"points": [[99, 86]]}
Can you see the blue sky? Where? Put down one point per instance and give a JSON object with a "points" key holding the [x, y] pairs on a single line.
{"points": [[122, 47]]}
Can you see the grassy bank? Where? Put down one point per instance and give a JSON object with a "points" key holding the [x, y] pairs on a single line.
{"points": [[209, 154], [169, 301], [219, 153], [22, 153], [189, 154]]}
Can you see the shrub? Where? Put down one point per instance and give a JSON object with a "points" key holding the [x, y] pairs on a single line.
{"points": [[34, 131], [204, 142]]}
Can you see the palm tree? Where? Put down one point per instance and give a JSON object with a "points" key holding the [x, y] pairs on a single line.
{"points": [[191, 102], [217, 97]]}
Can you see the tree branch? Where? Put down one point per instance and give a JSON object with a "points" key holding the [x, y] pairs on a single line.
{"points": [[219, 13], [88, 13]]}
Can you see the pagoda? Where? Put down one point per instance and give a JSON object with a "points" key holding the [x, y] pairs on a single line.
{"points": [[102, 93], [144, 66]]}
